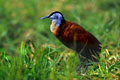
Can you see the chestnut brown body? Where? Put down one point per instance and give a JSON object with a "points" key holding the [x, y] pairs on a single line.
{"points": [[77, 38]]}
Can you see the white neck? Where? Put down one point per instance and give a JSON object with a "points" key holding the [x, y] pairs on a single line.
{"points": [[54, 26]]}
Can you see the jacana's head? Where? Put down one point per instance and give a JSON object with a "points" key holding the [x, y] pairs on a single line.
{"points": [[56, 17]]}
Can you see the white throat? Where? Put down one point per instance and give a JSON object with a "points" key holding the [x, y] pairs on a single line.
{"points": [[54, 26]]}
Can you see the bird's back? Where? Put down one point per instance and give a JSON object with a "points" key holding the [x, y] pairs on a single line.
{"points": [[77, 38]]}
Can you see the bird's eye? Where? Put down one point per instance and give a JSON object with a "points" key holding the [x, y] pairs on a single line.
{"points": [[56, 17]]}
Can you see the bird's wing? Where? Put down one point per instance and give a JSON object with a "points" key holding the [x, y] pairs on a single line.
{"points": [[76, 37], [74, 32]]}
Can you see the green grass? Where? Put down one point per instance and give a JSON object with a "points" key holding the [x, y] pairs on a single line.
{"points": [[49, 59]]}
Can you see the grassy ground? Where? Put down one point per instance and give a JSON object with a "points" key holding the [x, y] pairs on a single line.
{"points": [[48, 59]]}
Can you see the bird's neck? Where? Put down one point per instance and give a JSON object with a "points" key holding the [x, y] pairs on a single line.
{"points": [[55, 24]]}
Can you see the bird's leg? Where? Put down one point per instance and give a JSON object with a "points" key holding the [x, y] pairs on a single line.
{"points": [[86, 65], [78, 69], [83, 65]]}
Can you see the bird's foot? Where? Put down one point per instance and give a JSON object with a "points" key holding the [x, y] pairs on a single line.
{"points": [[81, 69]]}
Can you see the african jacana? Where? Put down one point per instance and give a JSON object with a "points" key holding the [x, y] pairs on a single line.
{"points": [[75, 37]]}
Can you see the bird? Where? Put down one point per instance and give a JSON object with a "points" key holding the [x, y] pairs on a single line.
{"points": [[75, 37]]}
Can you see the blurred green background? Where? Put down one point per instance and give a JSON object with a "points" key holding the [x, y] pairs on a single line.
{"points": [[20, 22]]}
